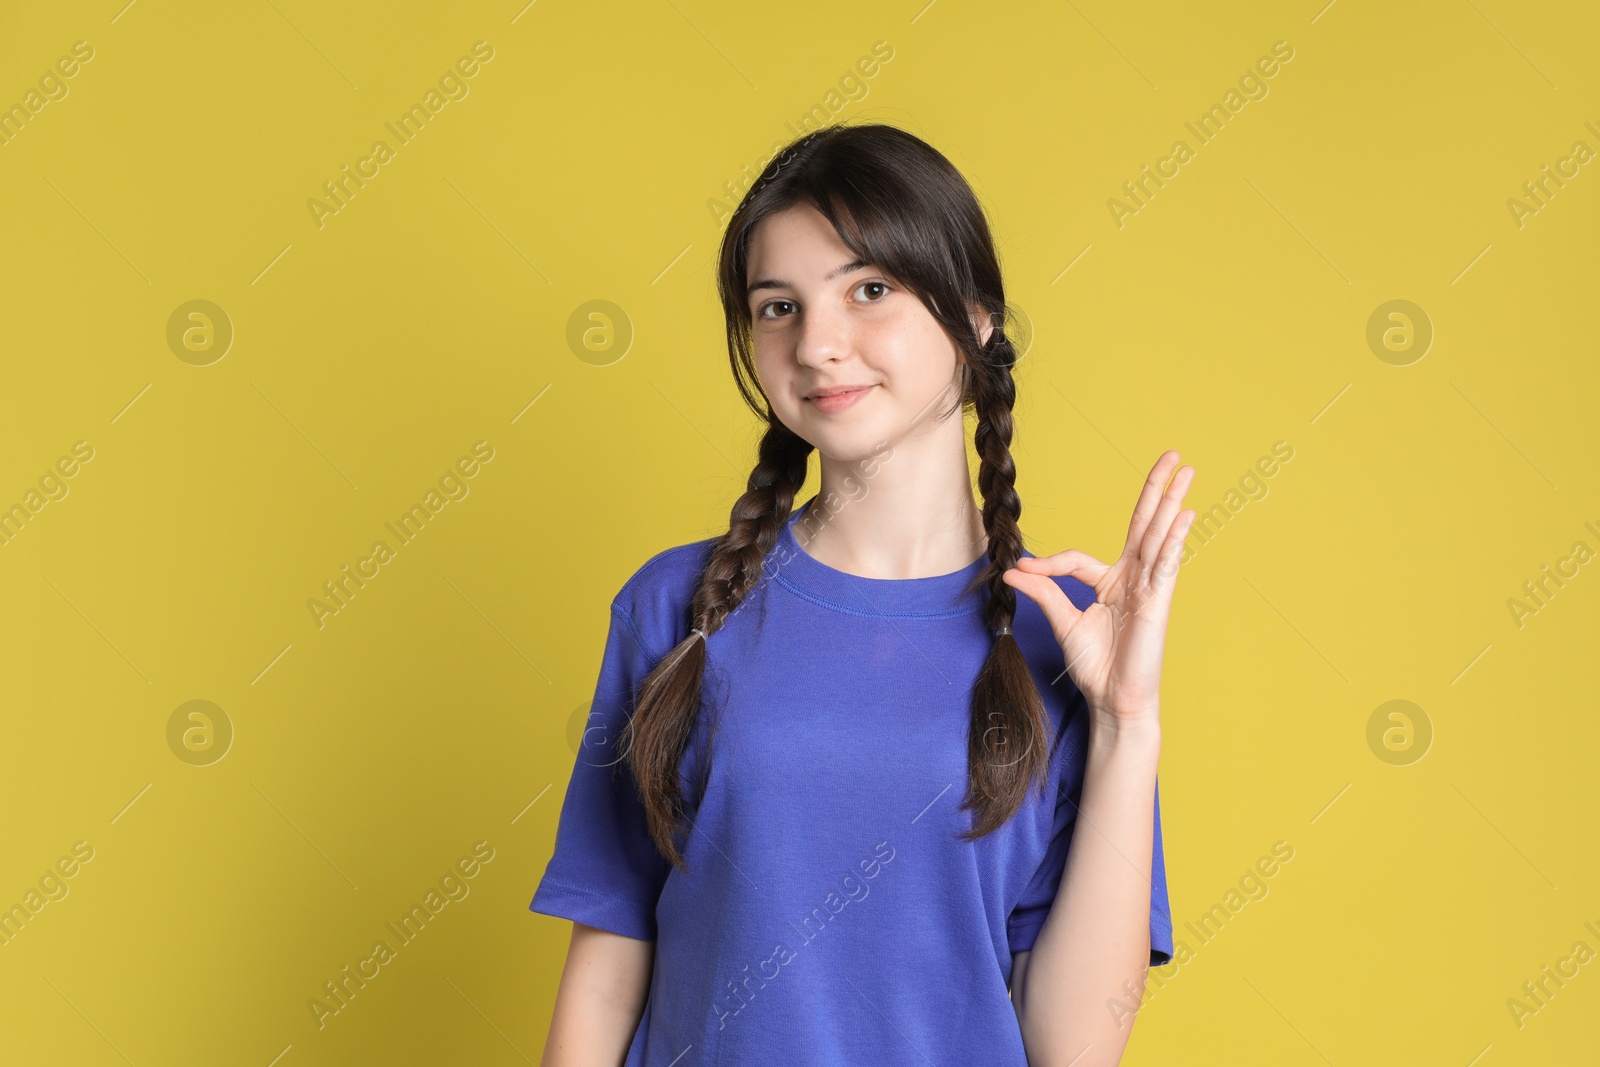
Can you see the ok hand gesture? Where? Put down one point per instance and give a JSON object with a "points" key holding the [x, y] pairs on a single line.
{"points": [[1113, 648]]}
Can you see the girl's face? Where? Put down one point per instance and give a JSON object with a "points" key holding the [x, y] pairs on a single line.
{"points": [[822, 322]]}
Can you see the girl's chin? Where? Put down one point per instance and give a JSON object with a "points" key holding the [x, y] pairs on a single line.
{"points": [[853, 447]]}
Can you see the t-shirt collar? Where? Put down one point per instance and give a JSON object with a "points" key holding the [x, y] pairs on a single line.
{"points": [[934, 596]]}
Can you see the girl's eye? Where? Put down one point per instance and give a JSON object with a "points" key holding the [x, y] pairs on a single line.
{"points": [[762, 311]]}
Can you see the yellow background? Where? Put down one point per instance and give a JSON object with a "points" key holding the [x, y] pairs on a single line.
{"points": [[436, 709]]}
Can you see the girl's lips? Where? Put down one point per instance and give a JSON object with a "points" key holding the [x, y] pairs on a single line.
{"points": [[840, 401]]}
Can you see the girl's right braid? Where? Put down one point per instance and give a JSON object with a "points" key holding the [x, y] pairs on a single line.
{"points": [[753, 525], [656, 736]]}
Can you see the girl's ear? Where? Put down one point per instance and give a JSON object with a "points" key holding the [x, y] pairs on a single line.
{"points": [[983, 323]]}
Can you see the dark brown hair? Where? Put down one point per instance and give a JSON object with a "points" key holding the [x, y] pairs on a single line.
{"points": [[900, 205]]}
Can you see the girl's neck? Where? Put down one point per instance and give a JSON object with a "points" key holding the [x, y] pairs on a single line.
{"points": [[911, 515]]}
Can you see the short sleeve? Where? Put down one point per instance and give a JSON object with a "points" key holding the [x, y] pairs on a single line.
{"points": [[605, 870], [1031, 910]]}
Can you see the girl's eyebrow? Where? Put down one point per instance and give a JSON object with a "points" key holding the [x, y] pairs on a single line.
{"points": [[774, 283]]}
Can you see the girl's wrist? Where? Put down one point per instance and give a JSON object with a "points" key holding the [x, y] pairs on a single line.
{"points": [[1118, 730]]}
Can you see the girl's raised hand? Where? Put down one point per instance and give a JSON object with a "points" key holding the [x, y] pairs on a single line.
{"points": [[1113, 648]]}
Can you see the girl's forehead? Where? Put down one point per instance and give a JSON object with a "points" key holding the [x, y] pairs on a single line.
{"points": [[799, 226]]}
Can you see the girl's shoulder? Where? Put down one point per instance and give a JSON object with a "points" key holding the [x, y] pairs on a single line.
{"points": [[655, 599]]}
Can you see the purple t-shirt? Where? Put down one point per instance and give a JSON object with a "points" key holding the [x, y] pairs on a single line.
{"points": [[831, 914]]}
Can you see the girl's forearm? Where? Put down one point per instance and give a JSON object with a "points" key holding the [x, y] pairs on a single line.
{"points": [[600, 999], [1093, 952]]}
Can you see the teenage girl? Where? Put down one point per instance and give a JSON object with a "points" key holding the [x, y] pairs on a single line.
{"points": [[844, 798]]}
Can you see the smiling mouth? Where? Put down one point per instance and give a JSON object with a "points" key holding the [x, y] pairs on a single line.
{"points": [[838, 400]]}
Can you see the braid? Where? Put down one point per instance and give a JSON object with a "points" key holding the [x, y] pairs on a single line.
{"points": [[657, 734], [1008, 744], [753, 526], [997, 484]]}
